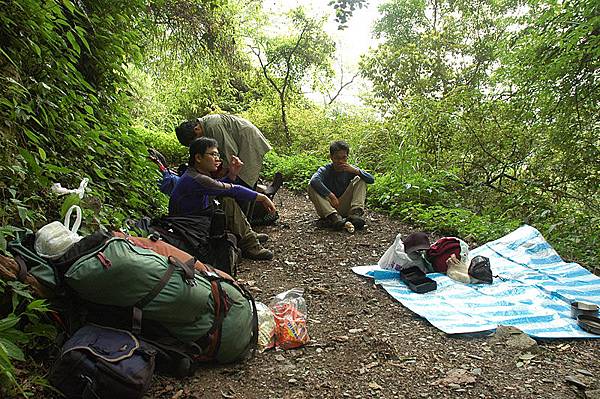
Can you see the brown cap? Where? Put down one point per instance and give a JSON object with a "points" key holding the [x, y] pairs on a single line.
{"points": [[416, 241]]}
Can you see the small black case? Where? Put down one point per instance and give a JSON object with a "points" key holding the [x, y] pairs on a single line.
{"points": [[417, 281]]}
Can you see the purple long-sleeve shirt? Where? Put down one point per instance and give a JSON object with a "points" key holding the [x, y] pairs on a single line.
{"points": [[193, 191]]}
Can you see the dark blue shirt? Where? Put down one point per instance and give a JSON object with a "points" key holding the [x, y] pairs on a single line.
{"points": [[326, 180]]}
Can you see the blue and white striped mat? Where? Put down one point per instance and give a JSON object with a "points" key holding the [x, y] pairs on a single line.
{"points": [[534, 294]]}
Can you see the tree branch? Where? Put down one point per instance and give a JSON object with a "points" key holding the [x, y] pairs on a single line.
{"points": [[344, 85], [263, 67], [288, 59]]}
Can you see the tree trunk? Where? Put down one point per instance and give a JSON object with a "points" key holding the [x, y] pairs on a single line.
{"points": [[286, 129]]}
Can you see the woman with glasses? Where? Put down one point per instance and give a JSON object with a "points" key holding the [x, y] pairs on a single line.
{"points": [[196, 188]]}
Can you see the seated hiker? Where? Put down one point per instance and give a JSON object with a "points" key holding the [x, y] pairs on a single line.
{"points": [[259, 215], [235, 136], [338, 190], [192, 193]]}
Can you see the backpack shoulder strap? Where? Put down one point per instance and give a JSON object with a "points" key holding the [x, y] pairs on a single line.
{"points": [[174, 263], [211, 341], [22, 272]]}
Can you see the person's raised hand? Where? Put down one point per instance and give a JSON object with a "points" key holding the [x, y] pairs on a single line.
{"points": [[235, 163], [346, 167]]}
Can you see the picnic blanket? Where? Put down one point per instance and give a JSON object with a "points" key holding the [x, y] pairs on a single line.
{"points": [[533, 292]]}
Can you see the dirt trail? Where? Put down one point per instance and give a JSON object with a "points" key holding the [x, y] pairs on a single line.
{"points": [[364, 344]]}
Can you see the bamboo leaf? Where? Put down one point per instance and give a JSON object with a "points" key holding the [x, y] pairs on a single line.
{"points": [[73, 42], [36, 48], [39, 305], [22, 211], [12, 350], [81, 33], [32, 136], [8, 58], [2, 243], [8, 322], [70, 200], [99, 173], [69, 6]]}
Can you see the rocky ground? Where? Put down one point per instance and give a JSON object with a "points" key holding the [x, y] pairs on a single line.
{"points": [[364, 344]]}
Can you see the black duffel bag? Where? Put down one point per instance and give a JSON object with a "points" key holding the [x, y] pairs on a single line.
{"points": [[203, 236]]}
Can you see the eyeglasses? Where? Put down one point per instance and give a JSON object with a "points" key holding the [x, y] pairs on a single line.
{"points": [[215, 154]]}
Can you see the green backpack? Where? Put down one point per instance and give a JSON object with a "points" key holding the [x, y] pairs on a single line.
{"points": [[30, 262], [202, 308]]}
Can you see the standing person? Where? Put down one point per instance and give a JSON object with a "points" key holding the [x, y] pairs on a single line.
{"points": [[338, 190], [235, 136], [194, 189]]}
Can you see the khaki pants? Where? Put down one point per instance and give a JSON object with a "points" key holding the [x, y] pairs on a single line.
{"points": [[353, 198], [237, 223]]}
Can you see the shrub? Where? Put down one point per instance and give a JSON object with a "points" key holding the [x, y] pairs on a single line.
{"points": [[22, 328], [296, 169]]}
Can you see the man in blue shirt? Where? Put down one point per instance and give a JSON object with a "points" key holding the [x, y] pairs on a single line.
{"points": [[338, 190]]}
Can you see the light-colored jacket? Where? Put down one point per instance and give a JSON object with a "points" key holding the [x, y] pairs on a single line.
{"points": [[237, 136]]}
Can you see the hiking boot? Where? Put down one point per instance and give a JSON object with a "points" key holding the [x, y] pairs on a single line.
{"points": [[262, 237], [157, 157], [258, 253], [335, 221], [355, 217], [275, 185], [356, 212]]}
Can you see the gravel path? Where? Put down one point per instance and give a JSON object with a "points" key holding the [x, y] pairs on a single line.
{"points": [[364, 344]]}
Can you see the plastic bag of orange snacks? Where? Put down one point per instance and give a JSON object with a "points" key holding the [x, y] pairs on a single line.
{"points": [[290, 312]]}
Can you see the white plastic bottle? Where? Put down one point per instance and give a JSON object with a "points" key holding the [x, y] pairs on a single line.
{"points": [[349, 227]]}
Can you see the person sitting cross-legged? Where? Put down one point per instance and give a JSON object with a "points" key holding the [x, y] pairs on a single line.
{"points": [[195, 188], [338, 190]]}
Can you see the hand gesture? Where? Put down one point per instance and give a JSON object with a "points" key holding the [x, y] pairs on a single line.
{"points": [[235, 165]]}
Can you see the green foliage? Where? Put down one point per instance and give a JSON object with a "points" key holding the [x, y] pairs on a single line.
{"points": [[455, 222], [312, 128], [344, 9], [503, 95], [194, 63], [391, 190], [67, 102], [296, 169], [165, 143], [433, 47], [63, 109], [290, 59], [23, 327], [552, 65], [434, 203]]}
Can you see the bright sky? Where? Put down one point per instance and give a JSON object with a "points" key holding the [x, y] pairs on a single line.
{"points": [[351, 42]]}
